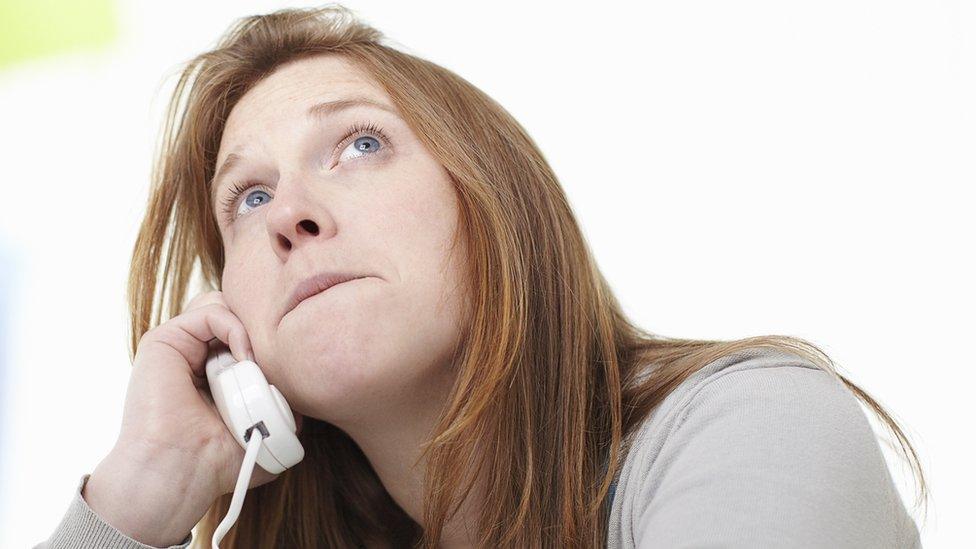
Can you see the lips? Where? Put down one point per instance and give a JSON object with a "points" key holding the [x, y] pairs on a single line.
{"points": [[316, 284]]}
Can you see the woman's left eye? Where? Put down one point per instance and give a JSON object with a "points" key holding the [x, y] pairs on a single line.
{"points": [[372, 142], [363, 145], [369, 141]]}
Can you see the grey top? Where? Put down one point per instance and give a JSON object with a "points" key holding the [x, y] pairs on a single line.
{"points": [[82, 528], [758, 449]]}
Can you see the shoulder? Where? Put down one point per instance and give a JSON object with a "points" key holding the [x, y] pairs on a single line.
{"points": [[759, 441], [770, 386], [780, 390]]}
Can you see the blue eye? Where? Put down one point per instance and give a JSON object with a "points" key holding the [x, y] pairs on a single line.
{"points": [[235, 191], [365, 145], [259, 200]]}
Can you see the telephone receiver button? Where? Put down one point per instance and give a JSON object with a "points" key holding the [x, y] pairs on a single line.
{"points": [[284, 408]]}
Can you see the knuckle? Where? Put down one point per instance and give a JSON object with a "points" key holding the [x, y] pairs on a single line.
{"points": [[203, 299], [216, 307], [148, 335]]}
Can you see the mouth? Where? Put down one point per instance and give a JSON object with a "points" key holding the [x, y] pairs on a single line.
{"points": [[316, 285], [322, 291]]}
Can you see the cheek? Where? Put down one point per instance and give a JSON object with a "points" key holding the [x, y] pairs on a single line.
{"points": [[420, 222], [243, 252], [233, 280], [247, 292]]}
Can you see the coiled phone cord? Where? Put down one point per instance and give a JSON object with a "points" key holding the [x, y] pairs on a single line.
{"points": [[243, 479]]}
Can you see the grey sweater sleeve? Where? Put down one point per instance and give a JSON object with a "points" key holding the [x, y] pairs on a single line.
{"points": [[761, 451], [82, 528]]}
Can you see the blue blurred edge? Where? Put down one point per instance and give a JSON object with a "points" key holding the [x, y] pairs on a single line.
{"points": [[8, 282]]}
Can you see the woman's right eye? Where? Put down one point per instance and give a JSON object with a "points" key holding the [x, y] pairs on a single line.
{"points": [[231, 201]]}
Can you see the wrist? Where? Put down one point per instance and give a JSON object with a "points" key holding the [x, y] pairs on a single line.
{"points": [[146, 497]]}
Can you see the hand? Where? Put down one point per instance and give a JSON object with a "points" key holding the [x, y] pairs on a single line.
{"points": [[174, 454]]}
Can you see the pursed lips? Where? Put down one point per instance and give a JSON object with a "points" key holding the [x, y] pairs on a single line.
{"points": [[327, 288]]}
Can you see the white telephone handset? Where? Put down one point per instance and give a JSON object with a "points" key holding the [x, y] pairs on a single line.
{"points": [[257, 415]]}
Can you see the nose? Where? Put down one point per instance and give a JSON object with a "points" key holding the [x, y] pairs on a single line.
{"points": [[293, 220]]}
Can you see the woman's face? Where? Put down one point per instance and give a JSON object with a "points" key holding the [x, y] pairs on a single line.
{"points": [[318, 199]]}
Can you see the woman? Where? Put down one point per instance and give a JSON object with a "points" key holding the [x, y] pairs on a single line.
{"points": [[474, 383]]}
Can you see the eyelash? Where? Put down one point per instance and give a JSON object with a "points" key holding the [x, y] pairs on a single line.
{"points": [[237, 189]]}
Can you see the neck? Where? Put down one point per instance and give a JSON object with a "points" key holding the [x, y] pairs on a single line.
{"points": [[392, 443]]}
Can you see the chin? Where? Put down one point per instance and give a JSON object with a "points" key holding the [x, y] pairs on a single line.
{"points": [[322, 378]]}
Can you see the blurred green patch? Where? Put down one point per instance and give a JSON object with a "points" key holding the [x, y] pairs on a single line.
{"points": [[38, 28]]}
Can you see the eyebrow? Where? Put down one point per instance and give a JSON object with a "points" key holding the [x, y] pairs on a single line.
{"points": [[318, 111]]}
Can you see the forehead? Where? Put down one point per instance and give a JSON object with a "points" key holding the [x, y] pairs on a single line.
{"points": [[292, 88]]}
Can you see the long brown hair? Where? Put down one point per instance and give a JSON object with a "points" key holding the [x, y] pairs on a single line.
{"points": [[551, 375]]}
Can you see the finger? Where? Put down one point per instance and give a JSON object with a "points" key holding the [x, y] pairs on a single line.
{"points": [[204, 298], [210, 298], [225, 326], [205, 395], [191, 332]]}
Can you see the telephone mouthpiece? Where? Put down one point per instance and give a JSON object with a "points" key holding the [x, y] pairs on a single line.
{"points": [[250, 406]]}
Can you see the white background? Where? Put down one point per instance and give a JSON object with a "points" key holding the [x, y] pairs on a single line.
{"points": [[739, 168]]}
